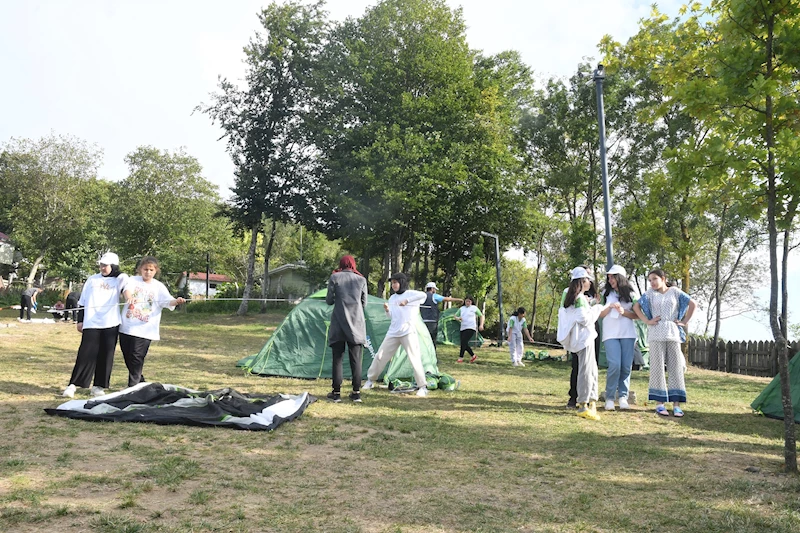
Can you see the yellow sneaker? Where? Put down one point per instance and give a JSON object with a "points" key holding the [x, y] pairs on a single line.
{"points": [[588, 411]]}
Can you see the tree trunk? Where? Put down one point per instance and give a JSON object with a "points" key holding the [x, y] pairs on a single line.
{"points": [[385, 273], [267, 254], [550, 314], [34, 269], [714, 362], [251, 267]]}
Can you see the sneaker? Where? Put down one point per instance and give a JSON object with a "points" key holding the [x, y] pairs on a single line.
{"points": [[520, 363], [572, 404], [459, 361], [422, 392], [69, 392], [97, 391], [588, 411], [368, 385], [335, 397], [474, 358], [623, 403], [356, 397], [514, 364], [609, 405]]}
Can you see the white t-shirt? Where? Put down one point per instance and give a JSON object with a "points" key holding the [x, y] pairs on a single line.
{"points": [[469, 317], [616, 326], [403, 317], [145, 317], [515, 326], [100, 297]]}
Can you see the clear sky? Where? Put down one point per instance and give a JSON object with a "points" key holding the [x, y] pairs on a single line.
{"points": [[125, 73]]}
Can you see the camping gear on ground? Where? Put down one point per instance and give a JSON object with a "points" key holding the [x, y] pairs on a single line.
{"points": [[770, 402], [448, 382], [450, 330], [299, 346]]}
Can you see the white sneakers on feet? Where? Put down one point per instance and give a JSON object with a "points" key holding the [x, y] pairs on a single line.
{"points": [[623, 403], [368, 385], [609, 405], [97, 391], [514, 364], [69, 392], [521, 363], [422, 392]]}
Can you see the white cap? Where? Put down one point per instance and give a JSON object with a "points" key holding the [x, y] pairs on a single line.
{"points": [[617, 269], [579, 273], [431, 285], [109, 258]]}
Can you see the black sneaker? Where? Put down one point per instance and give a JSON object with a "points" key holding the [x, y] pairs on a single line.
{"points": [[572, 404], [335, 397], [355, 396]]}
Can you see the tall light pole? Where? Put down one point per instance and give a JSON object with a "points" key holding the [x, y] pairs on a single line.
{"points": [[499, 284], [599, 76]]}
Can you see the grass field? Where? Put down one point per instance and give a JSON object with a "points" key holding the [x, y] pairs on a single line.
{"points": [[500, 454]]}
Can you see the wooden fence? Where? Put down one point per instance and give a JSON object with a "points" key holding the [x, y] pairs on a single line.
{"points": [[748, 358]]}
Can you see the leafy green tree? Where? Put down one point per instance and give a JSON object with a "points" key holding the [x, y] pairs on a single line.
{"points": [[49, 192]]}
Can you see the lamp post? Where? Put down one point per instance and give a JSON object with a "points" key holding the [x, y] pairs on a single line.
{"points": [[499, 284], [599, 76]]}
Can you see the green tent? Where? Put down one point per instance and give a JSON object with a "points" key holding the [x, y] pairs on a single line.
{"points": [[299, 347], [641, 345], [769, 401], [450, 330]]}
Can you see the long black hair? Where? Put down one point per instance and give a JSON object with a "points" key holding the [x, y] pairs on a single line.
{"points": [[520, 311], [573, 291], [624, 289]]}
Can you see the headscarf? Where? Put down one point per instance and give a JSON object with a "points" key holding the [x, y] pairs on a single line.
{"points": [[400, 278], [348, 262]]}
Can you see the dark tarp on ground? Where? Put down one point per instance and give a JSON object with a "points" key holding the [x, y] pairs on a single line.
{"points": [[170, 404]]}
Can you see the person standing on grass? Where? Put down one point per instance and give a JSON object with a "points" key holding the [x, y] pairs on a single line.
{"points": [[347, 293], [72, 303], [28, 302], [619, 335], [403, 309], [98, 324], [430, 310], [145, 297], [516, 327], [591, 294], [469, 315], [666, 310], [576, 332]]}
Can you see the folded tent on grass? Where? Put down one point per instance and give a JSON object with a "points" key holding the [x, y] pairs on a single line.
{"points": [[299, 346]]}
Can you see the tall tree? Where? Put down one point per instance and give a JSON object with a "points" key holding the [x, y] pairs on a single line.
{"points": [[263, 126]]}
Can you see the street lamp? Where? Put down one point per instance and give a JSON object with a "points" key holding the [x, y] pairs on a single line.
{"points": [[499, 284], [598, 76]]}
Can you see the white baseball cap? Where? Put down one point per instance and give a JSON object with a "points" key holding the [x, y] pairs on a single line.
{"points": [[109, 258], [617, 269], [431, 285], [579, 273]]}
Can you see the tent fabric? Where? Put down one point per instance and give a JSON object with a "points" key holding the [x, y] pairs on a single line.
{"points": [[450, 330], [170, 404], [770, 402], [299, 346]]}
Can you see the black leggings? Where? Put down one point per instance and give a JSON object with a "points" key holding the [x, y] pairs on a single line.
{"points": [[354, 351], [466, 336]]}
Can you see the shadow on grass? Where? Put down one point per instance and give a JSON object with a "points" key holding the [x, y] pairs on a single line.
{"points": [[16, 387]]}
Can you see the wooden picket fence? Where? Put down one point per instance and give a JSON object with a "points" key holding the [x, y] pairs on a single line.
{"points": [[749, 358]]}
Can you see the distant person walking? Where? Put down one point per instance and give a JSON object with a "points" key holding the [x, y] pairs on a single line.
{"points": [[666, 310], [517, 326], [471, 320], [28, 302], [72, 303], [347, 293], [98, 323], [145, 297], [430, 310]]}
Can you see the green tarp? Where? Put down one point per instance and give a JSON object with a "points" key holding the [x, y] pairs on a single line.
{"points": [[450, 330], [299, 347], [769, 401]]}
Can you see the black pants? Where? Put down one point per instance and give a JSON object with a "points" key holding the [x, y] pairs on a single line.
{"points": [[573, 378], [71, 304], [466, 336], [134, 350], [354, 351], [95, 358], [433, 329], [25, 304]]}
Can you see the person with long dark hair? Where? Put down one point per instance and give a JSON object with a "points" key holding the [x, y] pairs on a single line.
{"points": [[471, 320], [666, 310], [98, 323], [347, 293], [619, 335], [514, 331], [591, 295]]}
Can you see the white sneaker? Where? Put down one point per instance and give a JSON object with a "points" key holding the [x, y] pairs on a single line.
{"points": [[623, 403], [69, 392], [368, 385], [609, 405], [521, 363], [422, 392], [97, 391], [514, 364]]}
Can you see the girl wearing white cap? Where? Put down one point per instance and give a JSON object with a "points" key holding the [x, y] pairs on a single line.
{"points": [[98, 322], [576, 332], [619, 335]]}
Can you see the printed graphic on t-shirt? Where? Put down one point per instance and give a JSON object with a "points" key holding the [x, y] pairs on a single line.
{"points": [[144, 304]]}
